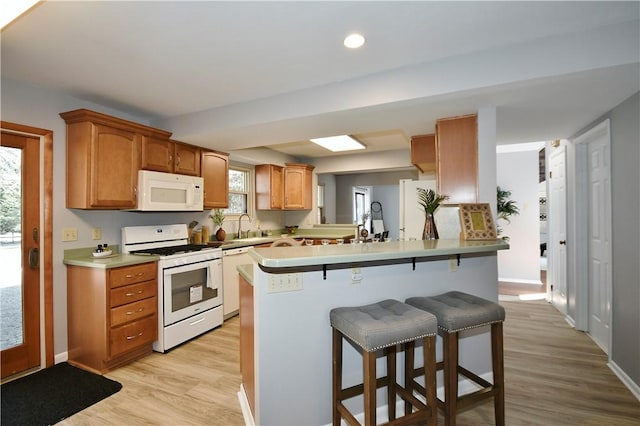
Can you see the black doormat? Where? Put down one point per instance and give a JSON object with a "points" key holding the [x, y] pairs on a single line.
{"points": [[52, 394]]}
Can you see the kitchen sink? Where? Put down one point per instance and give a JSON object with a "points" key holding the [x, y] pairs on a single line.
{"points": [[252, 240]]}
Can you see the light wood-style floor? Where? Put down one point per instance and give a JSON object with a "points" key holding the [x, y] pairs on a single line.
{"points": [[554, 376]]}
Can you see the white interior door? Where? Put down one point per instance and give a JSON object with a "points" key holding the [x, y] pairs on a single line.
{"points": [[411, 213], [599, 242], [557, 249]]}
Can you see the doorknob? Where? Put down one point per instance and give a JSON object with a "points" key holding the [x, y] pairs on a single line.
{"points": [[563, 242], [34, 258]]}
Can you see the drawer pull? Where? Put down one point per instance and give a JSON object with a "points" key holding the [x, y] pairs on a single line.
{"points": [[133, 312], [139, 274], [198, 321], [133, 294], [134, 337]]}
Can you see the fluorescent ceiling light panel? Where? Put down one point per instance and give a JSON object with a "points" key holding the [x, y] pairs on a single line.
{"points": [[338, 143], [11, 9]]}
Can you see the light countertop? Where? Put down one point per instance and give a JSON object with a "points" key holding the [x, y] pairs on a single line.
{"points": [[287, 257], [83, 257]]}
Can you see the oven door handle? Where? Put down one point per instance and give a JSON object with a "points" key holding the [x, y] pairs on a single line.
{"points": [[210, 283]]}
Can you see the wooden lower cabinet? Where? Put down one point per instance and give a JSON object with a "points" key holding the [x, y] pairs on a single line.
{"points": [[112, 315], [247, 359]]}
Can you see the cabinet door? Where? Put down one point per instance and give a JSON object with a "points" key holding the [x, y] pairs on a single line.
{"points": [[157, 154], [298, 186], [187, 159], [293, 188], [269, 187], [457, 158], [423, 152], [114, 171], [215, 172]]}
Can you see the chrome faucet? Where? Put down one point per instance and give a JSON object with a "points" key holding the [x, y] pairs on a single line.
{"points": [[240, 225]]}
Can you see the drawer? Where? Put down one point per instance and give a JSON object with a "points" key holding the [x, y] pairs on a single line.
{"points": [[133, 311], [132, 274], [133, 335], [132, 293]]}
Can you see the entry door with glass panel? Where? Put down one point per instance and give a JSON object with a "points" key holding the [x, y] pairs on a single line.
{"points": [[19, 253]]}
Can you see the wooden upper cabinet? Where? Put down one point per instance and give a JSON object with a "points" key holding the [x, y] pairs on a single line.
{"points": [[187, 159], [164, 155], [103, 159], [157, 154], [457, 158], [423, 152], [269, 187], [298, 180], [215, 172]]}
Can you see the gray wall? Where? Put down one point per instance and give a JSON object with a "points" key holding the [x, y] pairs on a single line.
{"points": [[625, 198], [345, 183]]}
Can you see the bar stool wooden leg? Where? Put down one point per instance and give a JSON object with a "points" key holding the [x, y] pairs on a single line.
{"points": [[429, 362], [409, 349], [337, 375], [391, 376], [370, 386], [497, 356], [450, 346]]}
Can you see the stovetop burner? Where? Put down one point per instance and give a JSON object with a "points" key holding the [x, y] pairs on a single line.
{"points": [[168, 251]]}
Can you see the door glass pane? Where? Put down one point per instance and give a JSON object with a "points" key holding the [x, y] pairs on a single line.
{"points": [[11, 318]]}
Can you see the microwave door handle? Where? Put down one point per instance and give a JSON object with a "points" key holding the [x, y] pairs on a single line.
{"points": [[189, 199]]}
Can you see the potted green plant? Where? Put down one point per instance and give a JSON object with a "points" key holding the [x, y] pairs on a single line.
{"points": [[218, 220], [506, 208], [430, 201]]}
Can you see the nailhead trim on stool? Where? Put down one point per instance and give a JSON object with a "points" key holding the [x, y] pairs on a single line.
{"points": [[457, 311], [384, 326]]}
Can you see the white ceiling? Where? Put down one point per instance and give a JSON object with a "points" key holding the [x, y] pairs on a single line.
{"points": [[234, 75]]}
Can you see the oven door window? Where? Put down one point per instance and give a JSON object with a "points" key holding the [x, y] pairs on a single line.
{"points": [[190, 289]]}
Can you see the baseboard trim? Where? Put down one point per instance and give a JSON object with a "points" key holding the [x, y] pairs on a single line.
{"points": [[519, 281], [625, 379], [62, 357], [246, 409]]}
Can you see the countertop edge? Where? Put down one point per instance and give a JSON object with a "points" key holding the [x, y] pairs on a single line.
{"points": [[279, 257]]}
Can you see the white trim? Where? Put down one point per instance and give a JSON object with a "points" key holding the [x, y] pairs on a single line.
{"points": [[62, 357], [625, 379], [520, 147], [244, 406], [519, 281]]}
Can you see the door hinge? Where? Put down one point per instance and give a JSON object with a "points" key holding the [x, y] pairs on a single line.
{"points": [[551, 287], [550, 175]]}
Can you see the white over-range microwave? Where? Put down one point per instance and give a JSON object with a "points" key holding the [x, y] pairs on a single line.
{"points": [[159, 191]]}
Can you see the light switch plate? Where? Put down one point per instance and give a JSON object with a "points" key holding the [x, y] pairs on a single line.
{"points": [[279, 283]]}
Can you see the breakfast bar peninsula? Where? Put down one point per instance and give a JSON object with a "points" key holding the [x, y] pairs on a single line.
{"points": [[286, 296]]}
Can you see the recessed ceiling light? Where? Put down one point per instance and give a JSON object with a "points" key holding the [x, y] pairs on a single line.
{"points": [[353, 41], [338, 143]]}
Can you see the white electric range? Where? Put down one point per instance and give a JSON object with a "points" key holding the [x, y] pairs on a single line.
{"points": [[189, 281]]}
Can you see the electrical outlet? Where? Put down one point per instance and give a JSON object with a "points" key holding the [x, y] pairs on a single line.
{"points": [[356, 276], [96, 233], [278, 283], [69, 234]]}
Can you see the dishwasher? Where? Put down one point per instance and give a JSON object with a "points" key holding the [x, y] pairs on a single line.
{"points": [[231, 258]]}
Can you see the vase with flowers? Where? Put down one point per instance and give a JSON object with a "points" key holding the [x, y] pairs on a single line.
{"points": [[430, 201], [218, 220]]}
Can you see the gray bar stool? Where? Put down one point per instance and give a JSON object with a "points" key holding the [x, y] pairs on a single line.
{"points": [[384, 326], [457, 311]]}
